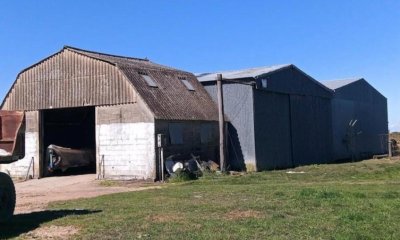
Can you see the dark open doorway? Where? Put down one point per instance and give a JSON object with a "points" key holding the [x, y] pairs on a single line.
{"points": [[74, 130]]}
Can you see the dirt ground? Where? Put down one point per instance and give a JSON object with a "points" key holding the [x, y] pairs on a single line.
{"points": [[36, 194]]}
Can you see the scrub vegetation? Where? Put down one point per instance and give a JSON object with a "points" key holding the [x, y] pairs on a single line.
{"points": [[336, 201]]}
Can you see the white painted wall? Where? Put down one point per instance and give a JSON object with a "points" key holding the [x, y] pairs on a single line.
{"points": [[20, 168], [128, 150]]}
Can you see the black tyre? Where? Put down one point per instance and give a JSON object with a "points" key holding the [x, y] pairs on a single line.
{"points": [[7, 197]]}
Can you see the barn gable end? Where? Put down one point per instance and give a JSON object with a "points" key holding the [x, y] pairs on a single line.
{"points": [[68, 79]]}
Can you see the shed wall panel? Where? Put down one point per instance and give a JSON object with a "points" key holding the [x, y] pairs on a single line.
{"points": [[273, 133], [367, 137], [359, 101], [238, 107], [311, 129]]}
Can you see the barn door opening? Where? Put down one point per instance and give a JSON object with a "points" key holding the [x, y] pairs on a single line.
{"points": [[68, 141]]}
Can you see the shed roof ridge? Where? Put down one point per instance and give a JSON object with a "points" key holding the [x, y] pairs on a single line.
{"points": [[274, 67], [253, 72], [344, 79], [120, 60], [105, 54], [338, 83]]}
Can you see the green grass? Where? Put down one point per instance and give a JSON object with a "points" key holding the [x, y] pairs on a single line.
{"points": [[339, 201]]}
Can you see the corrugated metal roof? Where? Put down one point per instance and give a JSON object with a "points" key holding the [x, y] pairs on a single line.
{"points": [[171, 99], [335, 84], [74, 77], [115, 59], [243, 73]]}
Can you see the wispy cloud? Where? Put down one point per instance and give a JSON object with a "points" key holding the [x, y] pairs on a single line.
{"points": [[394, 127]]}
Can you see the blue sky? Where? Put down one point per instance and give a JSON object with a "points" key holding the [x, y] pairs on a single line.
{"points": [[326, 39]]}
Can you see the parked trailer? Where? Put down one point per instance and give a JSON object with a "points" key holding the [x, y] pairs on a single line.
{"points": [[12, 148]]}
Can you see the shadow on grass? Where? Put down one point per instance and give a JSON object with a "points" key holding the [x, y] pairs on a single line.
{"points": [[23, 223]]}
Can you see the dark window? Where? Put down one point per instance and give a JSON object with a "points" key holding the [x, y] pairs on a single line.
{"points": [[205, 133], [176, 133], [149, 80]]}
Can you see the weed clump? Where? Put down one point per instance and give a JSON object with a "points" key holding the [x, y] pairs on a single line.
{"points": [[182, 175]]}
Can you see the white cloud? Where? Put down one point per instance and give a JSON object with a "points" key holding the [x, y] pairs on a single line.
{"points": [[394, 127]]}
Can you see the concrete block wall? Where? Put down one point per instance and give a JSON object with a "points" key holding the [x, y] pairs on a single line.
{"points": [[125, 140], [127, 149], [19, 168]]}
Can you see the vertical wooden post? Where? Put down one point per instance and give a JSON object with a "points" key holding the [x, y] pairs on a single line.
{"points": [[221, 123], [390, 154]]}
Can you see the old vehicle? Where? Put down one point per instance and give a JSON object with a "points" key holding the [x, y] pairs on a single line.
{"points": [[63, 158], [12, 148]]}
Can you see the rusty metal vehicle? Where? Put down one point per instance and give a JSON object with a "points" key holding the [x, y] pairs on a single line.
{"points": [[12, 148]]}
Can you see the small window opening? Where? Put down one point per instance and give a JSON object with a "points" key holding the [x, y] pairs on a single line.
{"points": [[150, 81], [206, 133], [175, 133], [264, 83], [187, 84]]}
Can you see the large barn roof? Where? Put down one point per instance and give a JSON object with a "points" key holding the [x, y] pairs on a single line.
{"points": [[169, 93], [120, 60], [171, 99]]}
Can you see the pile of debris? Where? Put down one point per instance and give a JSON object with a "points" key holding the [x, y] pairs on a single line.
{"points": [[193, 167], [395, 147]]}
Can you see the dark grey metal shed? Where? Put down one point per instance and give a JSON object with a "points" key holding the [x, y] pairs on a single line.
{"points": [[360, 119], [279, 117]]}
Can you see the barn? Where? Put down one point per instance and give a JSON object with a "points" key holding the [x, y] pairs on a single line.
{"points": [[114, 106], [279, 117], [360, 119]]}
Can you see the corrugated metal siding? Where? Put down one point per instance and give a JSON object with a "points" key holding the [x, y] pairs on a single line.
{"points": [[68, 79], [286, 124], [311, 129], [238, 107], [273, 135], [359, 101]]}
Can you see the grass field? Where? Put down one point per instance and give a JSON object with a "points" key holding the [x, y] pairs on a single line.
{"points": [[339, 201]]}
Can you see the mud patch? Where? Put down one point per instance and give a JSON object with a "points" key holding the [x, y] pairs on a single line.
{"points": [[239, 214], [52, 232]]}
